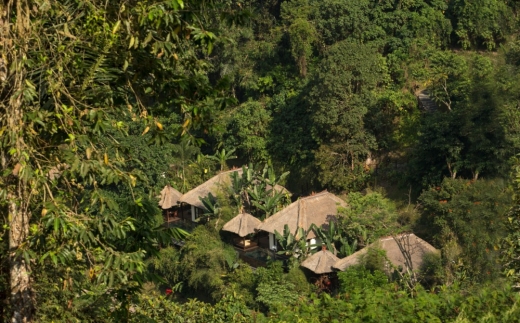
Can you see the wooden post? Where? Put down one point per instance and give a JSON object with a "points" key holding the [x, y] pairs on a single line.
{"points": [[272, 242], [193, 218]]}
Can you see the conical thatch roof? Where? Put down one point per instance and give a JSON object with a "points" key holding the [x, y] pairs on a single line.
{"points": [[169, 197], [412, 244], [242, 224], [212, 185], [321, 262], [319, 209]]}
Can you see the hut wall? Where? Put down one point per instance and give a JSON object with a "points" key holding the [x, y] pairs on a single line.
{"points": [[195, 213], [315, 243]]}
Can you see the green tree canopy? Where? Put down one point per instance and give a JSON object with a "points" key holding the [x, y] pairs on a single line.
{"points": [[343, 92]]}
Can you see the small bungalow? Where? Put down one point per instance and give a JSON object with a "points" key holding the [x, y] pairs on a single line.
{"points": [[321, 262], [318, 209], [398, 249], [169, 204], [243, 225]]}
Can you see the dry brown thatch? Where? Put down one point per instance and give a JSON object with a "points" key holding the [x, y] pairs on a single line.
{"points": [[212, 185], [321, 262], [319, 209], [242, 224], [412, 244], [169, 197]]}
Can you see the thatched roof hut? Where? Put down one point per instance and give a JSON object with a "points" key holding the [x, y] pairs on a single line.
{"points": [[212, 185], [242, 224], [411, 244], [319, 209], [169, 197], [321, 262]]}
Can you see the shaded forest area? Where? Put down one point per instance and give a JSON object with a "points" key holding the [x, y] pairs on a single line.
{"points": [[407, 109]]}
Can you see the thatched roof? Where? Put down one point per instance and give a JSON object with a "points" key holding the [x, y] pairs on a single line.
{"points": [[412, 244], [321, 262], [319, 209], [212, 185], [242, 224], [169, 197]]}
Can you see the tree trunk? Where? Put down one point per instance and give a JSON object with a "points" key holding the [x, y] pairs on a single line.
{"points": [[19, 215], [14, 35], [453, 173], [21, 295]]}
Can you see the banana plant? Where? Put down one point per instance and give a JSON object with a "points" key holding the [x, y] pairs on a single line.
{"points": [[328, 236], [268, 204], [248, 174], [286, 239], [235, 188], [335, 239], [347, 248], [240, 184], [292, 244], [257, 191], [212, 209], [270, 178]]}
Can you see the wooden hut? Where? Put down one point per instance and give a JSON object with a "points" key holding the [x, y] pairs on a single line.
{"points": [[243, 224], [169, 203], [321, 262]]}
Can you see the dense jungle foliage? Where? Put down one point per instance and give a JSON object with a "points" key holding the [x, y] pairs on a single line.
{"points": [[407, 109]]}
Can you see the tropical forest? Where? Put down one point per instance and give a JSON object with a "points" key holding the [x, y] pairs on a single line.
{"points": [[259, 161]]}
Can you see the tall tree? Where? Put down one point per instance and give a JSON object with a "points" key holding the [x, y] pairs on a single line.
{"points": [[466, 219], [68, 69], [480, 23], [14, 90], [343, 92], [468, 136]]}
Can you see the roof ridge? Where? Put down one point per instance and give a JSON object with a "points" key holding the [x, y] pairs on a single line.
{"points": [[397, 236], [229, 171], [325, 192]]}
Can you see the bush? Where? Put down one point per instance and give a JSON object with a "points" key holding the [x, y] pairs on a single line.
{"points": [[159, 309], [467, 219], [358, 278], [368, 297], [242, 281], [373, 260], [204, 261], [431, 273]]}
